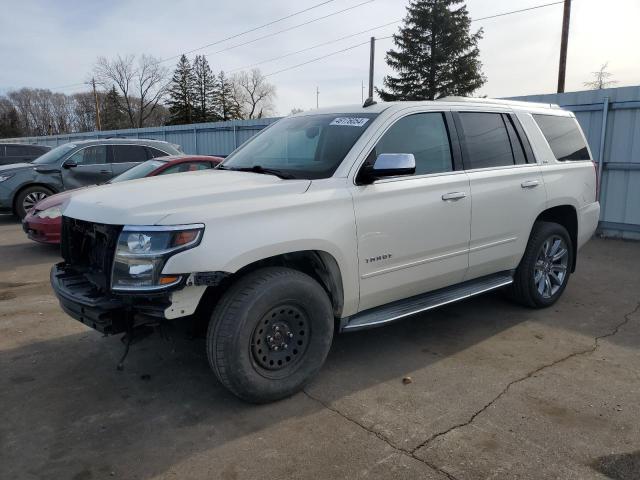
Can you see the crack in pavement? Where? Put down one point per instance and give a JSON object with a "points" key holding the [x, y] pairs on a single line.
{"points": [[400, 450], [593, 348], [413, 452]]}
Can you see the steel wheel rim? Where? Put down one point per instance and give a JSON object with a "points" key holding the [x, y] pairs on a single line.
{"points": [[32, 199], [280, 340], [550, 269]]}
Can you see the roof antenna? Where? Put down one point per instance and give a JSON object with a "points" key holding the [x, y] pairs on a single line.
{"points": [[370, 101]]}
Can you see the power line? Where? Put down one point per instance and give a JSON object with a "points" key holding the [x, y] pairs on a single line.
{"points": [[511, 12], [318, 58], [251, 30], [273, 34], [312, 47], [391, 36], [516, 11]]}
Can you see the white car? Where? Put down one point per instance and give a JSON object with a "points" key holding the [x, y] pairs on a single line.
{"points": [[335, 220]]}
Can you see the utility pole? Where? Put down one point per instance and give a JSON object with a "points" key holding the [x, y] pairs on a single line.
{"points": [[95, 97], [562, 70], [372, 55], [317, 98]]}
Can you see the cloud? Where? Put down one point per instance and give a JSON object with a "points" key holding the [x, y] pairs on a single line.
{"points": [[47, 44]]}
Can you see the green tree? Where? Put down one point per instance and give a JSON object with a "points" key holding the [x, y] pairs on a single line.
{"points": [[112, 113], [205, 89], [225, 100], [436, 54], [182, 93], [9, 120]]}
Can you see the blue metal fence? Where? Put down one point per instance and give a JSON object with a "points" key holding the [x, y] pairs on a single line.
{"points": [[217, 138], [610, 119]]}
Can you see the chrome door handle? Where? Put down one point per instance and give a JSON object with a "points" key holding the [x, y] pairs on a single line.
{"points": [[453, 196], [530, 184], [105, 172]]}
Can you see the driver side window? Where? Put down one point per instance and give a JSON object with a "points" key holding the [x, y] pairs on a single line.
{"points": [[90, 155], [422, 134]]}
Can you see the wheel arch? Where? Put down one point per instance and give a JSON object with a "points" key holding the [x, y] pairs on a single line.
{"points": [[567, 216], [29, 185], [318, 264]]}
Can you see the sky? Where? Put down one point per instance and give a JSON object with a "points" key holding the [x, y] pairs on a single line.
{"points": [[54, 45]]}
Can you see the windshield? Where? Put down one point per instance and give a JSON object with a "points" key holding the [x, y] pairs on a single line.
{"points": [[52, 156], [139, 171], [308, 147]]}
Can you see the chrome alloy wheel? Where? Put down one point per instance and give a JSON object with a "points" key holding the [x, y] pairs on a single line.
{"points": [[32, 199], [550, 269]]}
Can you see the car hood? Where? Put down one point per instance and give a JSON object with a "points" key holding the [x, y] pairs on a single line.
{"points": [[15, 166], [179, 198], [56, 200]]}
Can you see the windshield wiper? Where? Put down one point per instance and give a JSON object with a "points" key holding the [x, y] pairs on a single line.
{"points": [[260, 169]]}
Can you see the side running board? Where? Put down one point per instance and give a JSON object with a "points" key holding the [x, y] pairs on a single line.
{"points": [[390, 312]]}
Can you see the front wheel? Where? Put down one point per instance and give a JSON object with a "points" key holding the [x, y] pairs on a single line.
{"points": [[28, 198], [269, 334], [545, 268]]}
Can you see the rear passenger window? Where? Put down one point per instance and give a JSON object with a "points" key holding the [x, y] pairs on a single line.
{"points": [[516, 143], [485, 140], [129, 154], [424, 135], [564, 137]]}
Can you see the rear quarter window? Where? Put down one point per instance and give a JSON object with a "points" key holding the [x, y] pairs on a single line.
{"points": [[564, 137]]}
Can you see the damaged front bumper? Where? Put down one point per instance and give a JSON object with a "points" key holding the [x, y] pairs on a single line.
{"points": [[103, 311]]}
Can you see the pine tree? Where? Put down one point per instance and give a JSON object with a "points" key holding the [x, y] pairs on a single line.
{"points": [[225, 102], [112, 113], [182, 93], [205, 89], [436, 54], [9, 123]]}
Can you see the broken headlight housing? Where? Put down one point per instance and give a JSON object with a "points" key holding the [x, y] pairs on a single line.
{"points": [[142, 251]]}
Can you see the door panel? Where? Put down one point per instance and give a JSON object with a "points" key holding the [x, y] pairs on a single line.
{"points": [[507, 192], [410, 240], [505, 204], [91, 168]]}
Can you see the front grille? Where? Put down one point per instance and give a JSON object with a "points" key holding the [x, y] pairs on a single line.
{"points": [[88, 248]]}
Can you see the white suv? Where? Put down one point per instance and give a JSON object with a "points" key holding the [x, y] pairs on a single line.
{"points": [[336, 219]]}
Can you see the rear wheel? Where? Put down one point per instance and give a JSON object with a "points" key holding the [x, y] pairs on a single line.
{"points": [[270, 334], [545, 268], [28, 198]]}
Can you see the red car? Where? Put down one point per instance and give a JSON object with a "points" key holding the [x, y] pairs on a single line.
{"points": [[43, 222]]}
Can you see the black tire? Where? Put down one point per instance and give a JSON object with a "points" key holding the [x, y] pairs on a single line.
{"points": [[282, 304], [30, 195], [526, 288]]}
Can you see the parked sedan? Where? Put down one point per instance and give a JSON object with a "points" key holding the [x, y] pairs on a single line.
{"points": [[73, 165], [42, 224]]}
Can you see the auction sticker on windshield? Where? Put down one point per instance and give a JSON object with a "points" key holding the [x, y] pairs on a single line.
{"points": [[350, 121]]}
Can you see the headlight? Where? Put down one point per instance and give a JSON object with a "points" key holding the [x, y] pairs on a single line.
{"points": [[142, 252], [53, 212], [5, 177]]}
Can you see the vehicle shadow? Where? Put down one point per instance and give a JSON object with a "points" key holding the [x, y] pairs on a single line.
{"points": [[66, 409]]}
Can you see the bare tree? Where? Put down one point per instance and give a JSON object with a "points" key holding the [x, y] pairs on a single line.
{"points": [[142, 84], [253, 94], [601, 79]]}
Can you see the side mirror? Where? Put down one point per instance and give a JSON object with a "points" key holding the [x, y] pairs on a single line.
{"points": [[389, 165], [70, 164]]}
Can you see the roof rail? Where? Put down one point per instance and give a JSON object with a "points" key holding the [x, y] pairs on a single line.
{"points": [[498, 101]]}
